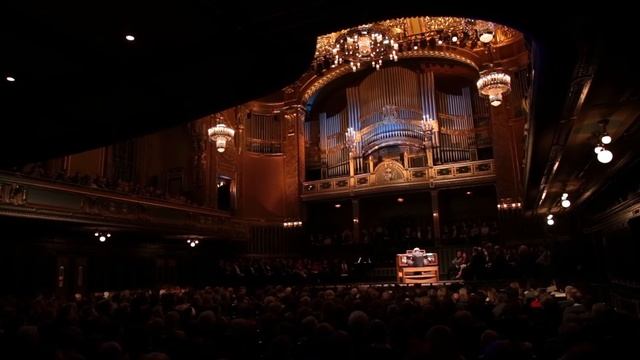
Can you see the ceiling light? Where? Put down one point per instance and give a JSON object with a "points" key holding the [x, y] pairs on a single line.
{"points": [[485, 31], [102, 238], [550, 222], [130, 37], [468, 193], [96, 234], [565, 196], [439, 42], [550, 216], [108, 234], [400, 199], [494, 83], [566, 203], [598, 148], [364, 44], [220, 134], [337, 206], [605, 156], [10, 79], [454, 38], [605, 139]]}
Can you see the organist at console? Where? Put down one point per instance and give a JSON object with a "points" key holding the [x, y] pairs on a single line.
{"points": [[417, 267]]}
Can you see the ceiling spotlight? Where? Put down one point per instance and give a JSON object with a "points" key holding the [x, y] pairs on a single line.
{"points": [[605, 139], [108, 234], [550, 216], [454, 38], [566, 203], [439, 42], [192, 243], [550, 222], [130, 37], [400, 199], [96, 234], [565, 196], [102, 238], [415, 47], [598, 148], [10, 79], [337, 206], [605, 156], [468, 193]]}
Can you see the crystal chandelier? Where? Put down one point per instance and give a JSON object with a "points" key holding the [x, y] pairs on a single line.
{"points": [[364, 44], [494, 83], [221, 134]]}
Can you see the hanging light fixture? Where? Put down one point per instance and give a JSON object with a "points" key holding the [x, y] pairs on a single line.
{"points": [[486, 31], [364, 44], [494, 83], [220, 134]]}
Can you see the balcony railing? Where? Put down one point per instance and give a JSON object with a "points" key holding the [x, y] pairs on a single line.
{"points": [[438, 176]]}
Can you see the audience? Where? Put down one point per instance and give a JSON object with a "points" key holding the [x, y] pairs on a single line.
{"points": [[279, 322]]}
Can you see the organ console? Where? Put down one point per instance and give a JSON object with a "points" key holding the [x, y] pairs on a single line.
{"points": [[409, 274]]}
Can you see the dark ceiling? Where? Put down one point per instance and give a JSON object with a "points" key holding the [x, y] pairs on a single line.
{"points": [[80, 85]]}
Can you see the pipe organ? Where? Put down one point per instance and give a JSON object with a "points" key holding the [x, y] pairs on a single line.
{"points": [[387, 110], [456, 127], [264, 133]]}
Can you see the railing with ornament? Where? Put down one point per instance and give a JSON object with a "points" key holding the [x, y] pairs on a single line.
{"points": [[395, 176]]}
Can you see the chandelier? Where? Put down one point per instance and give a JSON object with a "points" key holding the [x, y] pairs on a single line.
{"points": [[221, 134], [494, 83], [364, 44]]}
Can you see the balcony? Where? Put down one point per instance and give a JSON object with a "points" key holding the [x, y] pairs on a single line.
{"points": [[391, 175], [36, 198]]}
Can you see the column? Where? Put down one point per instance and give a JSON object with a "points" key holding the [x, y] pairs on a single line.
{"points": [[435, 213], [294, 167], [355, 206], [429, 152]]}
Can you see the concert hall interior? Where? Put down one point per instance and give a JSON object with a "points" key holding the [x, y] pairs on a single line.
{"points": [[185, 180]]}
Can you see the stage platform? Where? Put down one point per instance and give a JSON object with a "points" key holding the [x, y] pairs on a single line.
{"points": [[383, 284]]}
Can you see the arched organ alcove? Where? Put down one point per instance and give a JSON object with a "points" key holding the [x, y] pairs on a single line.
{"points": [[419, 114]]}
